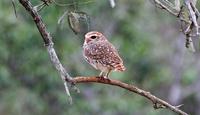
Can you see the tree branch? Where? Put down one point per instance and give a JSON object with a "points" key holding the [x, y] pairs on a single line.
{"points": [[158, 103], [48, 43], [186, 13]]}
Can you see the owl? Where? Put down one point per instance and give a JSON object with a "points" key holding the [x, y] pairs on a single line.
{"points": [[101, 54]]}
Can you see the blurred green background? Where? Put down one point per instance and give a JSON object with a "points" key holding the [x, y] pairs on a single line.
{"points": [[148, 40]]}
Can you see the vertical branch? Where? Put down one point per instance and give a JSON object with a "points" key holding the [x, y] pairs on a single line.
{"points": [[191, 9]]}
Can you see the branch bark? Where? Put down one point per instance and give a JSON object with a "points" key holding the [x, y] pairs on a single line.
{"points": [[157, 102]]}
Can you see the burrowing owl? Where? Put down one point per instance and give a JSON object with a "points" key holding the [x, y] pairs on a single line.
{"points": [[101, 54]]}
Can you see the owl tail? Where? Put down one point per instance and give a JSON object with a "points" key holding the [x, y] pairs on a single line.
{"points": [[120, 67]]}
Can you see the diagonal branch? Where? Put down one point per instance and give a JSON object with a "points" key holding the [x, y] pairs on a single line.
{"points": [[158, 103], [48, 43]]}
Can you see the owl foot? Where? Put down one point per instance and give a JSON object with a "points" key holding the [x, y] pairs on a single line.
{"points": [[103, 78]]}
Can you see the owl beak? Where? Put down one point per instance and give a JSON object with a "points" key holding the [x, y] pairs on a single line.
{"points": [[88, 40]]}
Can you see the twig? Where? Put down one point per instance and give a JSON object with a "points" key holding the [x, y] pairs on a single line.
{"points": [[158, 103], [162, 6], [14, 7]]}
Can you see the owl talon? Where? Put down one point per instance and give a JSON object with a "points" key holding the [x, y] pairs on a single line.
{"points": [[100, 77], [103, 78]]}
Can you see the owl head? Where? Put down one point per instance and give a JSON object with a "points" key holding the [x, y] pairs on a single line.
{"points": [[94, 36]]}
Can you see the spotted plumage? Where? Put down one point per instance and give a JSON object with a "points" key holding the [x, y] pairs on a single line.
{"points": [[101, 54]]}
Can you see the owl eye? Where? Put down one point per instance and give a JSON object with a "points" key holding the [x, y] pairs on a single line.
{"points": [[93, 37]]}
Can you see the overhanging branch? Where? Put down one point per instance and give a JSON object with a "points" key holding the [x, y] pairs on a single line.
{"points": [[158, 103], [48, 43]]}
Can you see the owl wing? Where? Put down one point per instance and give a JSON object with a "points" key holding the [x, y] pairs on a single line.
{"points": [[114, 59]]}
